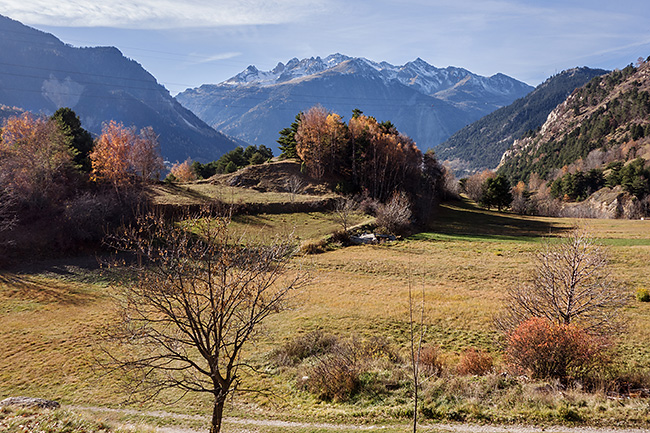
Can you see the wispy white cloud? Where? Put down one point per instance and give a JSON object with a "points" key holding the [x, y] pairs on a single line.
{"points": [[199, 58], [159, 14]]}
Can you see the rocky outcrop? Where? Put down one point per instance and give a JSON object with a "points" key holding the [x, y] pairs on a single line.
{"points": [[30, 402], [605, 203]]}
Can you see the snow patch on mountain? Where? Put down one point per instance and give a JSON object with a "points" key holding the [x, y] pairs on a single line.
{"points": [[417, 74]]}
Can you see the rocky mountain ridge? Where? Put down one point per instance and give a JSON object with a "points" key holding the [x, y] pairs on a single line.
{"points": [[425, 102], [601, 122], [481, 145], [41, 74]]}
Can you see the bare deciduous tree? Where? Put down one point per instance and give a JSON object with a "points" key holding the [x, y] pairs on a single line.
{"points": [[395, 216], [200, 297], [474, 185], [416, 350], [571, 284], [344, 208], [294, 186]]}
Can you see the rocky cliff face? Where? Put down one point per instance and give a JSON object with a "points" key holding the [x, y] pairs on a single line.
{"points": [[425, 102], [40, 74]]}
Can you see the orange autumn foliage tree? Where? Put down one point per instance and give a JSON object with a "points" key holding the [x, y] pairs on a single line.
{"points": [[35, 160], [319, 140], [183, 171], [363, 155], [121, 156]]}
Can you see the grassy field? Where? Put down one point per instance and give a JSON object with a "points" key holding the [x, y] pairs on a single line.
{"points": [[50, 312], [302, 226], [202, 192]]}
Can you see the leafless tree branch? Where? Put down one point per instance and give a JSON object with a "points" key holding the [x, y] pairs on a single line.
{"points": [[199, 298], [571, 284]]}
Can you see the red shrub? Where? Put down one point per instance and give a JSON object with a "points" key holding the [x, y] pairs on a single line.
{"points": [[548, 350]]}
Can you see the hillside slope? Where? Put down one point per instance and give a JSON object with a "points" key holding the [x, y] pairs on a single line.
{"points": [[605, 121], [424, 102], [40, 73], [481, 145]]}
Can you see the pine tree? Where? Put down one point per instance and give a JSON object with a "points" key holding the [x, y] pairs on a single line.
{"points": [[287, 140]]}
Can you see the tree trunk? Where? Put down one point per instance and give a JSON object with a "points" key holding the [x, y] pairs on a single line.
{"points": [[217, 415]]}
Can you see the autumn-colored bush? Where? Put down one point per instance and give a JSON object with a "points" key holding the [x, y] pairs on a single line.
{"points": [[474, 362], [430, 360], [546, 350]]}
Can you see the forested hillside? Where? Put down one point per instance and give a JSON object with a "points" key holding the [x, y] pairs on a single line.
{"points": [[594, 148], [481, 145], [604, 121]]}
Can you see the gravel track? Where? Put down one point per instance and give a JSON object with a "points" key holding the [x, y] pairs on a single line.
{"points": [[244, 425]]}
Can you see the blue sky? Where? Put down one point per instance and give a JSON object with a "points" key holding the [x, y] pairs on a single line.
{"points": [[189, 43]]}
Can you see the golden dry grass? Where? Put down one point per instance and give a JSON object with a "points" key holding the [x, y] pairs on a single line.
{"points": [[463, 263], [301, 226], [48, 334], [204, 192]]}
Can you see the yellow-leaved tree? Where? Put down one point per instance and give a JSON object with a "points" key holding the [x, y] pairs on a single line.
{"points": [[122, 157]]}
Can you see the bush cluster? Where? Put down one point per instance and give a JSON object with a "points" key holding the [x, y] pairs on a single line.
{"points": [[643, 294], [475, 362], [335, 369], [546, 350]]}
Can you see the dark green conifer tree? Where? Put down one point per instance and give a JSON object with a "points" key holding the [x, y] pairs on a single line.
{"points": [[80, 141]]}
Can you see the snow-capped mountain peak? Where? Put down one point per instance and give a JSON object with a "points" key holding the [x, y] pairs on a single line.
{"points": [[417, 74]]}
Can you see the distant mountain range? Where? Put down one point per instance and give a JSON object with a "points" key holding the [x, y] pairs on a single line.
{"points": [[426, 103], [39, 73], [481, 145]]}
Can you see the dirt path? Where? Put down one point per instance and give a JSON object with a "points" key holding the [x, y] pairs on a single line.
{"points": [[245, 425]]}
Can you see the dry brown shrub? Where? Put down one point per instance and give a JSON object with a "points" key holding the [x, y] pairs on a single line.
{"points": [[315, 343], [395, 216], [430, 361], [313, 246], [474, 362], [335, 377]]}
